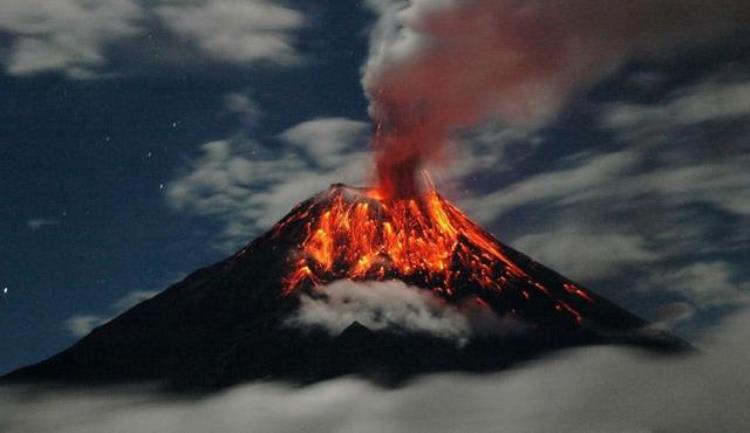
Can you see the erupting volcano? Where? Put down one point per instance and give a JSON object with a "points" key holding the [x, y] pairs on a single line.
{"points": [[425, 241], [230, 322]]}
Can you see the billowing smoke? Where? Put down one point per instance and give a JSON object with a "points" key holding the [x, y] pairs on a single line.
{"points": [[437, 66], [394, 305], [588, 390]]}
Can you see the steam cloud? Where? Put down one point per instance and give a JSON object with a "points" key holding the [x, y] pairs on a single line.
{"points": [[591, 390], [437, 66], [394, 305]]}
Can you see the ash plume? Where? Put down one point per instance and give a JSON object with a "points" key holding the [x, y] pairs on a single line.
{"points": [[437, 66]]}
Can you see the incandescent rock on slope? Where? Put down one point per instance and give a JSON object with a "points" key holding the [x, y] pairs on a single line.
{"points": [[224, 324]]}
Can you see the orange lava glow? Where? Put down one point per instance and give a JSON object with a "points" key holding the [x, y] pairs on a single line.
{"points": [[361, 235], [375, 238]]}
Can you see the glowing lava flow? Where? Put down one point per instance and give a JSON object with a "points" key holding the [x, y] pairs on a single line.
{"points": [[359, 235], [375, 238]]}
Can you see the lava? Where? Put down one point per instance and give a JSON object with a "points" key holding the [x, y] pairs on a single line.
{"points": [[363, 234]]}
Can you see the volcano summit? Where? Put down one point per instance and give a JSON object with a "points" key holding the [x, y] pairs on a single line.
{"points": [[230, 322]]}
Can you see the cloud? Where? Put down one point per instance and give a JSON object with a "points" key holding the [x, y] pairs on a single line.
{"points": [[380, 305], [40, 223], [77, 37], [652, 218], [396, 306], [584, 254], [705, 284], [326, 140], [241, 105], [247, 187], [64, 35], [133, 298], [618, 177], [697, 141], [81, 325], [236, 30], [594, 389], [578, 176], [712, 100], [660, 203]]}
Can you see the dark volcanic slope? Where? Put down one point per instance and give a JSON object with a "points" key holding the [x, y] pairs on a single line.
{"points": [[220, 326]]}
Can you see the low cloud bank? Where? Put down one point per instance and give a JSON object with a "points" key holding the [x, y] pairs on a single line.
{"points": [[588, 390]]}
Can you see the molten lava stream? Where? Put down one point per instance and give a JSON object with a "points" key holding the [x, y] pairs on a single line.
{"points": [[425, 241]]}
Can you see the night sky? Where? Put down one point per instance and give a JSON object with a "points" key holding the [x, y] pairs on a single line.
{"points": [[140, 141]]}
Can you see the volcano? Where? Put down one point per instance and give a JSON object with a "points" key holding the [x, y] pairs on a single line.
{"points": [[228, 323]]}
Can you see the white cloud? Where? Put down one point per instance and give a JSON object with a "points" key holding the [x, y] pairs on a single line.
{"points": [[81, 325], [586, 254], [133, 298], [393, 305], [709, 101], [638, 216], [724, 183], [326, 140], [40, 223], [236, 30], [595, 389], [583, 175], [64, 35], [247, 187], [75, 36], [380, 305], [703, 284], [617, 177], [242, 105], [658, 203]]}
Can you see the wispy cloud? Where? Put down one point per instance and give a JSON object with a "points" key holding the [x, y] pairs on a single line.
{"points": [[706, 284], [587, 254], [578, 176], [76, 37], [80, 325], [247, 186], [712, 100], [397, 306], [236, 30], [380, 305], [40, 223], [662, 203], [64, 35]]}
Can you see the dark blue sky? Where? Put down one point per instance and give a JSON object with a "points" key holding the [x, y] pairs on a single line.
{"points": [[638, 188]]}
